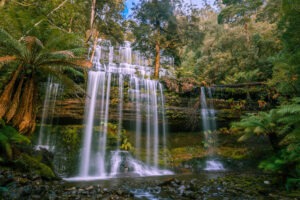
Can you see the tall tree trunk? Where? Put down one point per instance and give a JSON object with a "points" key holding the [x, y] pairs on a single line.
{"points": [[93, 8], [157, 60], [15, 102], [5, 98], [94, 46], [27, 121]]}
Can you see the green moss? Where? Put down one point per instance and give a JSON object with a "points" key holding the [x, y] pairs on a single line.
{"points": [[233, 152], [182, 154], [32, 164]]}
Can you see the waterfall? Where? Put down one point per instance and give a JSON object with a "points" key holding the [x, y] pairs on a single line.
{"points": [[209, 128], [45, 139], [97, 159]]}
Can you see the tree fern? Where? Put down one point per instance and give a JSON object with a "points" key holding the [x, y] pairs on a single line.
{"points": [[283, 121], [34, 58]]}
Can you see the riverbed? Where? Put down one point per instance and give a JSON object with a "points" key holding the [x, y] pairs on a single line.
{"points": [[202, 185]]}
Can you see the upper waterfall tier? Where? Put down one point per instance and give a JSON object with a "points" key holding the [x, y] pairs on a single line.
{"points": [[123, 60]]}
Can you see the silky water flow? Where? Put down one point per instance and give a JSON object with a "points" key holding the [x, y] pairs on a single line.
{"points": [[132, 80]]}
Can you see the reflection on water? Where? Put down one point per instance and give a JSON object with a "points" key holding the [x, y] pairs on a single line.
{"points": [[145, 194]]}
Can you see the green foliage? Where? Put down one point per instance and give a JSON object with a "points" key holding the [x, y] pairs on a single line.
{"points": [[10, 137], [283, 121], [70, 138], [232, 53], [242, 77], [35, 17], [287, 67], [109, 21], [156, 23], [238, 11], [126, 145], [257, 124]]}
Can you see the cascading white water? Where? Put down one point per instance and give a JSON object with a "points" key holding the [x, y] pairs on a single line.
{"points": [[209, 128], [44, 138], [146, 96], [164, 131], [207, 113]]}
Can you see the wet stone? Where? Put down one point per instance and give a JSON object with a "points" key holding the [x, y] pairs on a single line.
{"points": [[119, 192], [36, 196], [27, 189], [80, 190], [70, 189]]}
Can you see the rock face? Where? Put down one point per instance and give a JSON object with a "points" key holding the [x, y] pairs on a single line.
{"points": [[180, 112]]}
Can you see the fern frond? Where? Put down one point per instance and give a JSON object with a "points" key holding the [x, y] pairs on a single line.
{"points": [[292, 137], [65, 80], [9, 45], [73, 72], [289, 109], [245, 137]]}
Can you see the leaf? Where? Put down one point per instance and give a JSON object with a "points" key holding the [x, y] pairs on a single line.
{"points": [[245, 137], [259, 130], [5, 146]]}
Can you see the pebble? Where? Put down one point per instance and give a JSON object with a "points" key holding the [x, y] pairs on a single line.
{"points": [[267, 182], [90, 188], [70, 189]]}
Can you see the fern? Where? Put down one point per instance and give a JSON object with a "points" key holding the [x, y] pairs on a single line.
{"points": [[8, 137], [5, 146]]}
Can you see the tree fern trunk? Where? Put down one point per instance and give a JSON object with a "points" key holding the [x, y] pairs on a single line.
{"points": [[27, 121], [15, 102], [22, 105], [5, 98]]}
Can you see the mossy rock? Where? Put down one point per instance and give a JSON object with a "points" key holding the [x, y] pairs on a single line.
{"points": [[33, 165], [233, 152]]}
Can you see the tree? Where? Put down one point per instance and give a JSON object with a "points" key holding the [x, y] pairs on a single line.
{"points": [[156, 28], [282, 126], [263, 123], [69, 16], [220, 59], [30, 60], [108, 19], [286, 72], [64, 15], [238, 11]]}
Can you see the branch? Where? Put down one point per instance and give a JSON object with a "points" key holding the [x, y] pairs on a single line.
{"points": [[55, 9], [22, 4], [240, 85], [58, 7]]}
